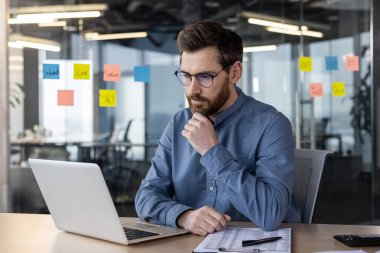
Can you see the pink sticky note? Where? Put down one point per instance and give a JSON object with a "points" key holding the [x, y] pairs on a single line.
{"points": [[316, 89], [352, 63], [66, 97], [111, 72]]}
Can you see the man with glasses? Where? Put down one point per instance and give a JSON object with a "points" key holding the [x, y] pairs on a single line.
{"points": [[227, 156]]}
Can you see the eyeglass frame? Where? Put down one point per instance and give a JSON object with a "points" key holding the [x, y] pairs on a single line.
{"points": [[191, 76]]}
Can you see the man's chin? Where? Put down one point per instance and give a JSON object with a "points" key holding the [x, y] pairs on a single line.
{"points": [[201, 110]]}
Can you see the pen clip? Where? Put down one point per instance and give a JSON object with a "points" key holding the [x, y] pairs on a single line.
{"points": [[222, 250]]}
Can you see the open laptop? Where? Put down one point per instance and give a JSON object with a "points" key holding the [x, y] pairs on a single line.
{"points": [[79, 202]]}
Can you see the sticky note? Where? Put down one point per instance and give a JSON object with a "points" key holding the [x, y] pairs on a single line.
{"points": [[331, 63], [142, 74], [66, 97], [50, 71], [305, 64], [338, 89], [81, 71], [316, 89], [111, 73], [352, 63], [107, 98]]}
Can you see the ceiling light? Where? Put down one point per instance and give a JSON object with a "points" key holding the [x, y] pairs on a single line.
{"points": [[15, 21], [58, 8], [297, 33], [259, 48], [21, 41], [53, 24], [263, 22], [115, 36], [60, 15], [22, 44]]}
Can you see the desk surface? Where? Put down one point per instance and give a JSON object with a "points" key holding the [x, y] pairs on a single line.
{"points": [[22, 233]]}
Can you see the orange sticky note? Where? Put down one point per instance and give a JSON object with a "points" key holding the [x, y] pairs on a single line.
{"points": [[352, 63], [111, 73], [305, 64], [82, 71], [338, 89], [107, 98], [316, 89], [66, 97]]}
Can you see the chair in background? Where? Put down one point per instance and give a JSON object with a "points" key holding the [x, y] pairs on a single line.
{"points": [[307, 176]]}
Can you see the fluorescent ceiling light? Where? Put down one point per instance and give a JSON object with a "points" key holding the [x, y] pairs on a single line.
{"points": [[60, 15], [53, 24], [259, 48], [21, 41], [22, 44], [59, 8], [297, 33], [115, 36], [263, 22], [15, 21]]}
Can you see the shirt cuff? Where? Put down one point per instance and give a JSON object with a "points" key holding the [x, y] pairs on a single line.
{"points": [[216, 158], [174, 212]]}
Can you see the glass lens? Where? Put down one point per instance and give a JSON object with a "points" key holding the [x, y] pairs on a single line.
{"points": [[204, 80], [183, 78]]}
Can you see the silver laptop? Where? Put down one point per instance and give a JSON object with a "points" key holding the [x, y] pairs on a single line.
{"points": [[79, 202]]}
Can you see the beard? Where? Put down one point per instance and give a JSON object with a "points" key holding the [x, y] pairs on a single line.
{"points": [[210, 107]]}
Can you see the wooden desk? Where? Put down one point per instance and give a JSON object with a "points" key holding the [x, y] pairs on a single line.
{"points": [[23, 233]]}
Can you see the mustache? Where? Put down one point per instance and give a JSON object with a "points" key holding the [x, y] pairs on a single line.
{"points": [[197, 97]]}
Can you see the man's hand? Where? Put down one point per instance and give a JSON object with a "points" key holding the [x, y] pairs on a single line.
{"points": [[200, 133], [203, 221]]}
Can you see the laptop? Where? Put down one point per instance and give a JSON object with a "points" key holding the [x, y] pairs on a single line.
{"points": [[79, 202]]}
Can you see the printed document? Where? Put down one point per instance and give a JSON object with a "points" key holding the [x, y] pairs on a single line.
{"points": [[231, 239]]}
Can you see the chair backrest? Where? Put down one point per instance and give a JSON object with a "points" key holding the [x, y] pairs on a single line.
{"points": [[307, 176]]}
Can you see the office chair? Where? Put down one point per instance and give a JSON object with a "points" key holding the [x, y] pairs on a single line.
{"points": [[307, 176]]}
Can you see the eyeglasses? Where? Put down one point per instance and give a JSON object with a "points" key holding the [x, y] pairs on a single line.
{"points": [[203, 79]]}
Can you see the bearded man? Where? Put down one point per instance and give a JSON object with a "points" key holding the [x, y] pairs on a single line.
{"points": [[227, 156]]}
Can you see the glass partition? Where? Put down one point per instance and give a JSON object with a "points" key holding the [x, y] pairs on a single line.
{"points": [[80, 91]]}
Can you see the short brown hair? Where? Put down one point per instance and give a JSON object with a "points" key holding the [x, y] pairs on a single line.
{"points": [[212, 34]]}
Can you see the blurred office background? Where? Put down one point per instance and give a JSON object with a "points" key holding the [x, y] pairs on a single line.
{"points": [[123, 138]]}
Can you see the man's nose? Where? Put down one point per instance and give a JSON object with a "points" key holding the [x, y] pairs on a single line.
{"points": [[194, 86]]}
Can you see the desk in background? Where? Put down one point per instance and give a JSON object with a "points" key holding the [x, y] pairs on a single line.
{"points": [[23, 233]]}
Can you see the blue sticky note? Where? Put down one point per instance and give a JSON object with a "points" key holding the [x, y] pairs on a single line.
{"points": [[331, 63], [50, 71], [142, 74]]}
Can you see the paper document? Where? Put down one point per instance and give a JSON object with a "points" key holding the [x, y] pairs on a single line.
{"points": [[231, 239]]}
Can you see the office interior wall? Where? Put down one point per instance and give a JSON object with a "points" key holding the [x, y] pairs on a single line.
{"points": [[4, 107]]}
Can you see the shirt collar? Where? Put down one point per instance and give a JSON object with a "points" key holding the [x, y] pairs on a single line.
{"points": [[230, 110]]}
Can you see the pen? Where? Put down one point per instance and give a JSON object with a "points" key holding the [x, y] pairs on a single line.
{"points": [[259, 241]]}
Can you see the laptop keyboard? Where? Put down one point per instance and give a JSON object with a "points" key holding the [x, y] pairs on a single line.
{"points": [[132, 233]]}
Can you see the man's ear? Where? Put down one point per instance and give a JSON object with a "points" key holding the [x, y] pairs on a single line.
{"points": [[236, 72]]}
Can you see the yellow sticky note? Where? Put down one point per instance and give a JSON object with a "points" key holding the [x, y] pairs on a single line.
{"points": [[305, 64], [316, 89], [82, 71], [338, 89], [107, 98]]}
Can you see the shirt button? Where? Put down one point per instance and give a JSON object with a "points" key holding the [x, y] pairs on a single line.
{"points": [[211, 188]]}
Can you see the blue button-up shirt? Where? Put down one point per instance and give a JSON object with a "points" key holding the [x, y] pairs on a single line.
{"points": [[248, 175]]}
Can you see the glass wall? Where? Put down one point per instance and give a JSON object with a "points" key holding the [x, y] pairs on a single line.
{"points": [[107, 100]]}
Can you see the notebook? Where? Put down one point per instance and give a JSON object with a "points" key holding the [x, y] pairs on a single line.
{"points": [[79, 202]]}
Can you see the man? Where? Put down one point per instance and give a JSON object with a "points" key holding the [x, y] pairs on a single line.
{"points": [[228, 156]]}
